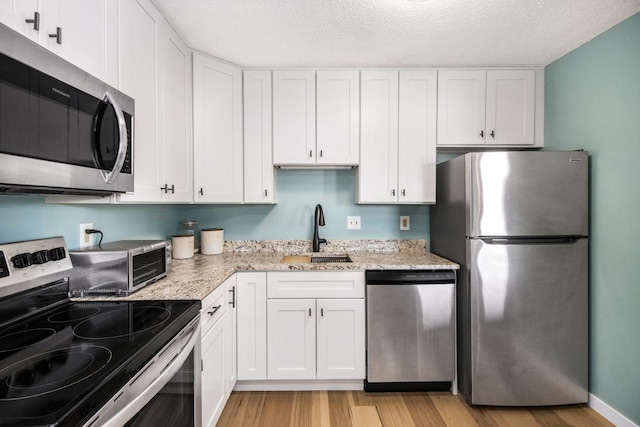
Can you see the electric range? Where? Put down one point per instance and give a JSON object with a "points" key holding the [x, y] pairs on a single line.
{"points": [[62, 361]]}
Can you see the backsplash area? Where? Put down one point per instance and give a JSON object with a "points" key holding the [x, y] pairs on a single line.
{"points": [[29, 217]]}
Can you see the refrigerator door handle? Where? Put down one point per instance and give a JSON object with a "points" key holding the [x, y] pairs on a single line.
{"points": [[569, 240]]}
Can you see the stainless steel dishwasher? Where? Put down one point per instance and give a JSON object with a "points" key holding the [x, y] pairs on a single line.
{"points": [[410, 330]]}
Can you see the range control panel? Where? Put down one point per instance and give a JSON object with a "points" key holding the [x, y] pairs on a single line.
{"points": [[22, 262]]}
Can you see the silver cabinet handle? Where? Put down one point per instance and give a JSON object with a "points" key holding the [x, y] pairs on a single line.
{"points": [[35, 21], [265, 193], [322, 312], [393, 192], [493, 134], [309, 312], [310, 153], [404, 193], [320, 153], [173, 189], [212, 312], [482, 134], [201, 191], [57, 35]]}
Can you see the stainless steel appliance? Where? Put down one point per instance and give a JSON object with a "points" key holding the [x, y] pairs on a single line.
{"points": [[62, 131], [517, 223], [119, 268], [90, 363], [410, 330]]}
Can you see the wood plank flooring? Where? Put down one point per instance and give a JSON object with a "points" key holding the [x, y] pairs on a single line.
{"points": [[360, 409]]}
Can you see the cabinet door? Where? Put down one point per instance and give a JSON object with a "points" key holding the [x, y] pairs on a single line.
{"points": [[510, 107], [338, 125], [213, 373], [259, 173], [230, 353], [140, 25], [175, 120], [378, 171], [217, 91], [417, 137], [291, 352], [89, 34], [341, 339], [14, 13], [252, 326], [294, 117], [461, 107]]}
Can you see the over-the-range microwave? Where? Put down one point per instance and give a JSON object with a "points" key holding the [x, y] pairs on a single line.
{"points": [[62, 131]]}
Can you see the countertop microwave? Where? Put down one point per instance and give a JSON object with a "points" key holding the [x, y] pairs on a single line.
{"points": [[62, 131], [118, 268]]}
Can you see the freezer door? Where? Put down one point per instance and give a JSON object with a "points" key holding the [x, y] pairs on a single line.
{"points": [[541, 193], [529, 325], [410, 333]]}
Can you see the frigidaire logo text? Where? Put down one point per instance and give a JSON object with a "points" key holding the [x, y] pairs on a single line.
{"points": [[59, 92]]}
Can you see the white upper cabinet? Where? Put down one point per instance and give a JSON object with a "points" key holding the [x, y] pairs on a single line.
{"points": [[259, 173], [338, 121], [417, 137], [315, 123], [84, 33], [217, 121], [398, 117], [378, 171], [155, 69], [492, 108], [294, 117], [15, 14]]}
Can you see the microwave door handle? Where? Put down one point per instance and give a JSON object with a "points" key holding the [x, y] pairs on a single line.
{"points": [[110, 176]]}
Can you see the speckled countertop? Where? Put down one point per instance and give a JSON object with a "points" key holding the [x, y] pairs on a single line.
{"points": [[197, 277]]}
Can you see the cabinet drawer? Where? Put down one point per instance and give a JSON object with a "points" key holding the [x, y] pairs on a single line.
{"points": [[326, 284], [213, 307]]}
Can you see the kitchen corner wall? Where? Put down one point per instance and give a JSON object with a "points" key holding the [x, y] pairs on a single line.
{"points": [[29, 217], [593, 103]]}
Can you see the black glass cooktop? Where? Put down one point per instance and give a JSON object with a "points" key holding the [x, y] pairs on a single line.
{"points": [[64, 363]]}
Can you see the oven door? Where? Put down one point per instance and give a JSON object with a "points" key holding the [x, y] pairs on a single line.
{"points": [[165, 392]]}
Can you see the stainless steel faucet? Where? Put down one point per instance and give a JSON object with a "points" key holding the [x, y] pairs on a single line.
{"points": [[318, 220]]}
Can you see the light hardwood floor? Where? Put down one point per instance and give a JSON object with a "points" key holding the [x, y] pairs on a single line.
{"points": [[360, 409]]}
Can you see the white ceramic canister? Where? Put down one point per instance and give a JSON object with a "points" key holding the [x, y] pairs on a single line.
{"points": [[211, 241], [182, 246]]}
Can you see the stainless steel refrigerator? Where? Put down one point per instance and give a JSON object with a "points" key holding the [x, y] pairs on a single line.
{"points": [[517, 223]]}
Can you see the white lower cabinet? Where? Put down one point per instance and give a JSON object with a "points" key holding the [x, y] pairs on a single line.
{"points": [[315, 338], [218, 350], [252, 324]]}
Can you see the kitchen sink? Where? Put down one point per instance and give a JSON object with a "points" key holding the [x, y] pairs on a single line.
{"points": [[315, 259], [325, 259]]}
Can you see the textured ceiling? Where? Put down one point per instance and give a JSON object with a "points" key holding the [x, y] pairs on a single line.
{"points": [[391, 33]]}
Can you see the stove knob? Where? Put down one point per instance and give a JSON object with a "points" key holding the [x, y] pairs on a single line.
{"points": [[56, 254], [22, 260], [40, 257]]}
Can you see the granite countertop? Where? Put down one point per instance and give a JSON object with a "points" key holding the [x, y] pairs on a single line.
{"points": [[197, 277]]}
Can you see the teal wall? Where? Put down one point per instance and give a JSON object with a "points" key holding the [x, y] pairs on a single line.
{"points": [[593, 102], [28, 217], [292, 217]]}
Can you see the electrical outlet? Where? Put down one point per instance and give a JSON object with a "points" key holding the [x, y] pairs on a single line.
{"points": [[85, 239], [353, 223], [405, 223]]}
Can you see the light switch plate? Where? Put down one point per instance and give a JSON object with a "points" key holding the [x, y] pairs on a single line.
{"points": [[353, 223], [405, 223]]}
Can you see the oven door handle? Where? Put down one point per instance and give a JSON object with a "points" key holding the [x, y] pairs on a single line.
{"points": [[140, 394]]}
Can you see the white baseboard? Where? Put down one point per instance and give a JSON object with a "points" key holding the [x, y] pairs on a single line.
{"points": [[299, 385], [609, 413]]}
